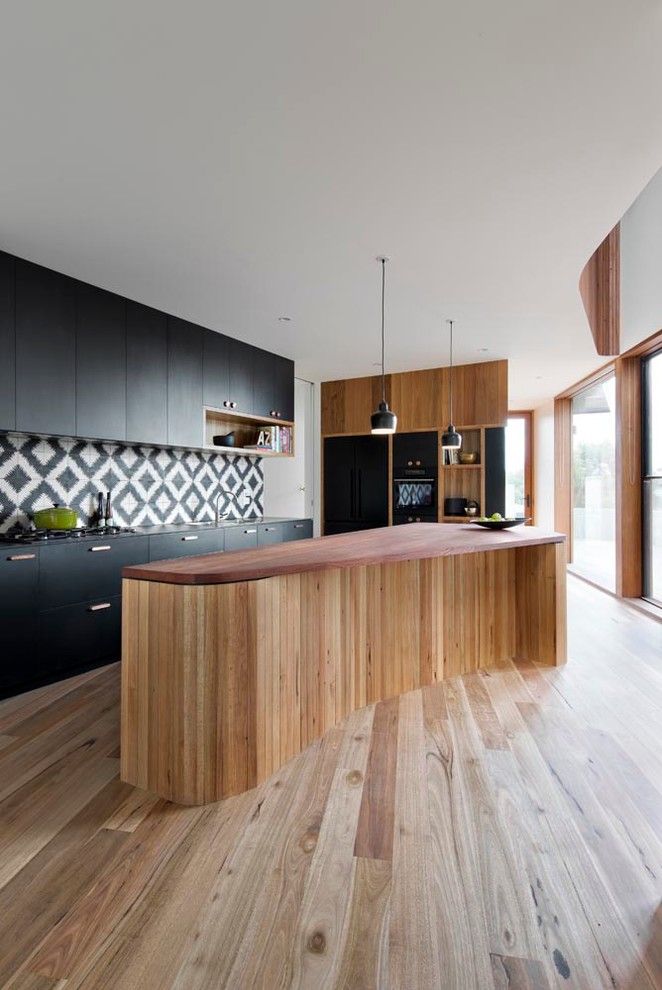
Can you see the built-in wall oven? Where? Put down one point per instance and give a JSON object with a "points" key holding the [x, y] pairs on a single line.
{"points": [[415, 477]]}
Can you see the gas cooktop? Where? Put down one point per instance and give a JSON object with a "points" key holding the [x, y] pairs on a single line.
{"points": [[51, 535]]}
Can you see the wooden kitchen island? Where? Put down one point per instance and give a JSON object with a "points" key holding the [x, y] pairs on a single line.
{"points": [[234, 662]]}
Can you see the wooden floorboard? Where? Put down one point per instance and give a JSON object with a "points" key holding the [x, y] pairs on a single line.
{"points": [[498, 830]]}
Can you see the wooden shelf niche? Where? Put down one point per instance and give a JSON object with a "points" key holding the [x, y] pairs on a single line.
{"points": [[246, 429], [464, 480]]}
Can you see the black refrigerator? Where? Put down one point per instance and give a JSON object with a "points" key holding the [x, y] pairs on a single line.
{"points": [[355, 483]]}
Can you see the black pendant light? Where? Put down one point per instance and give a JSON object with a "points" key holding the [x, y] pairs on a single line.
{"points": [[451, 439], [383, 420]]}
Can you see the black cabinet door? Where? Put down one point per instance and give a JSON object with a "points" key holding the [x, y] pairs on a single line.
{"points": [[80, 572], [146, 374], [372, 480], [269, 533], [19, 658], [284, 387], [339, 480], [215, 369], [241, 367], [165, 546], [100, 364], [45, 351], [185, 418], [495, 471], [7, 344], [79, 637], [298, 529], [273, 385], [264, 385], [242, 537]]}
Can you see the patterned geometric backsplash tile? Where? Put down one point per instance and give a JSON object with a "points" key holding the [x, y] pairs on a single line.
{"points": [[149, 485]]}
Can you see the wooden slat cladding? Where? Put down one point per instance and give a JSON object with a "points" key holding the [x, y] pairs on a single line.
{"points": [[222, 684], [600, 289], [420, 398]]}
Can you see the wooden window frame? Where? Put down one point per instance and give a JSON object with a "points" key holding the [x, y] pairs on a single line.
{"points": [[529, 488]]}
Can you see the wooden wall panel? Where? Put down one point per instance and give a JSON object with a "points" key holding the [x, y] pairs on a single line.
{"points": [[222, 684], [629, 564], [563, 469], [600, 289], [420, 399]]}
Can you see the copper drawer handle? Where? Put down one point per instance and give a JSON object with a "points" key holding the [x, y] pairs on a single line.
{"points": [[98, 608], [185, 539], [248, 531], [98, 549], [22, 556], [298, 525]]}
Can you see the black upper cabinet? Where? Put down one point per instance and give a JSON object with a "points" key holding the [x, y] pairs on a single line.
{"points": [[241, 369], [100, 364], [45, 351], [7, 344], [215, 369], [273, 385], [146, 374], [185, 420]]}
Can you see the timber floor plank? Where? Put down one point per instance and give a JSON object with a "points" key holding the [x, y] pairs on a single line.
{"points": [[497, 830]]}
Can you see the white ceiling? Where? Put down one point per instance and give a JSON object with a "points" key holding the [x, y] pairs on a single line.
{"points": [[234, 162]]}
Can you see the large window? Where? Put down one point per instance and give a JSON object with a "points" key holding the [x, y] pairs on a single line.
{"points": [[652, 468], [594, 483], [518, 466]]}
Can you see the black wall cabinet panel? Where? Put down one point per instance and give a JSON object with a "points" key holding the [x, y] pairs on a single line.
{"points": [[7, 345], [45, 351], [146, 374], [185, 419], [495, 471], [241, 367], [372, 480], [273, 385], [215, 369], [100, 364], [339, 480], [19, 662]]}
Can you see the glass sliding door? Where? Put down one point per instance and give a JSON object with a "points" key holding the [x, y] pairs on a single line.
{"points": [[594, 483], [652, 422]]}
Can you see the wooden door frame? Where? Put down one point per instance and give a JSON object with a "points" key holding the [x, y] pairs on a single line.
{"points": [[529, 480]]}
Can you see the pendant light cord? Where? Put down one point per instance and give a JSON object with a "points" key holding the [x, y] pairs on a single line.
{"points": [[383, 260], [451, 372]]}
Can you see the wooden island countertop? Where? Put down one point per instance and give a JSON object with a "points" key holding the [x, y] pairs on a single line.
{"points": [[416, 541], [232, 663]]}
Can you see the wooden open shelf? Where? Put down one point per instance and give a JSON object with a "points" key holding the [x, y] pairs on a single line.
{"points": [[246, 429], [463, 480]]}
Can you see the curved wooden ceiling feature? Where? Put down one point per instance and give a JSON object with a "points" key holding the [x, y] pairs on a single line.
{"points": [[600, 289]]}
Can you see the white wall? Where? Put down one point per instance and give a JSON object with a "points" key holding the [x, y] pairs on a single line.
{"points": [[290, 483], [543, 464], [641, 266]]}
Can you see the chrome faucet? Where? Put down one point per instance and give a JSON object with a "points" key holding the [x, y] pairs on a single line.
{"points": [[230, 496]]}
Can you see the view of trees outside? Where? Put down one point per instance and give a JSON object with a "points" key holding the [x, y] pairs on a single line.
{"points": [[653, 480], [593, 483], [515, 459]]}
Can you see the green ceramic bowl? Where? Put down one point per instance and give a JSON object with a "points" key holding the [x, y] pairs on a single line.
{"points": [[57, 517]]}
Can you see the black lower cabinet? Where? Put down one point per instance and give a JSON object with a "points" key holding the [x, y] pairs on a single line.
{"points": [[81, 636], [243, 537], [19, 658], [169, 545], [88, 570], [61, 605]]}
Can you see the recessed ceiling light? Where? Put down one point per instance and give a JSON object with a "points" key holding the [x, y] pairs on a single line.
{"points": [[284, 319], [482, 350]]}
